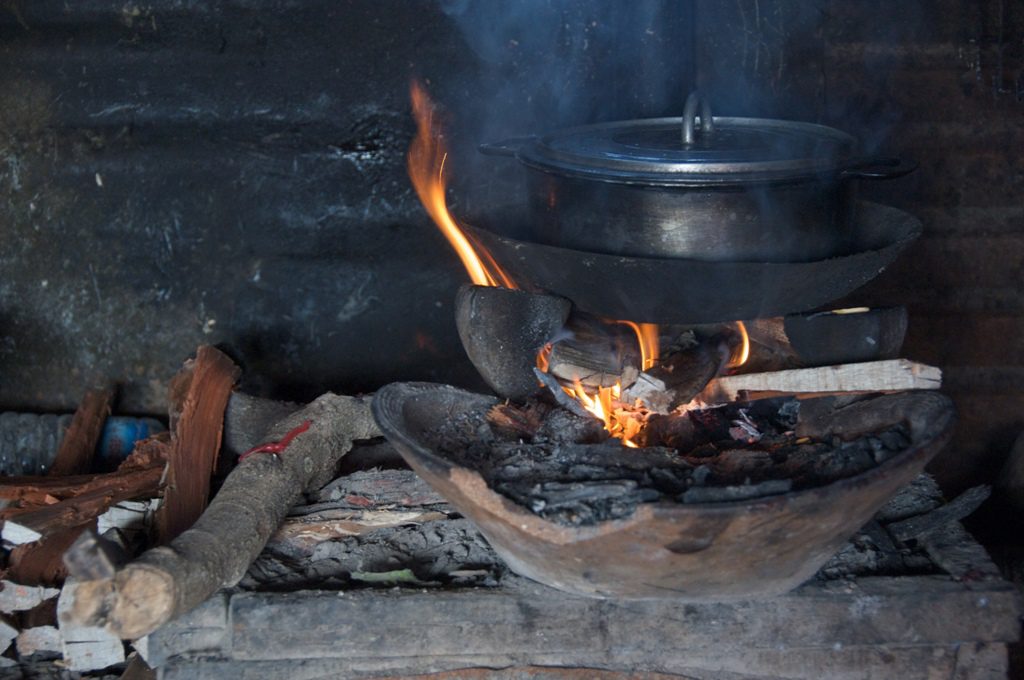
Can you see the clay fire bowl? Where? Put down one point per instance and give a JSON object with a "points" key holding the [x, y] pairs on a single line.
{"points": [[690, 552]]}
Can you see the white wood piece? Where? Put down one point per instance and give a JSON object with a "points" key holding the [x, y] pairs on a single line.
{"points": [[7, 635], [18, 598], [46, 639], [18, 534], [130, 517], [85, 648], [891, 375]]}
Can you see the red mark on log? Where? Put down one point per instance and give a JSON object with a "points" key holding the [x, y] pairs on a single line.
{"points": [[277, 447]]}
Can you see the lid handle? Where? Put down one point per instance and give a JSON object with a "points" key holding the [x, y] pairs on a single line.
{"points": [[707, 125]]}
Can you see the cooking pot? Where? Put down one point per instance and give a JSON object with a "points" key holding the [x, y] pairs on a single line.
{"points": [[697, 187]]}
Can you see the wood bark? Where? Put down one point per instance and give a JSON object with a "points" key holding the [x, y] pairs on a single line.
{"points": [[199, 397], [214, 553], [75, 454]]}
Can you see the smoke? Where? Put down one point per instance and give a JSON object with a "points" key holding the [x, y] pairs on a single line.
{"points": [[544, 65]]}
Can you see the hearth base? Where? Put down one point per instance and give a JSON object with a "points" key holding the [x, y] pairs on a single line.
{"points": [[954, 621]]}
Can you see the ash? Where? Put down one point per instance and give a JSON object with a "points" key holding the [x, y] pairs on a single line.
{"points": [[565, 468]]}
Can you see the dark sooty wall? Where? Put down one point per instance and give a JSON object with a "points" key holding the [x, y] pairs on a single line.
{"points": [[175, 173]]}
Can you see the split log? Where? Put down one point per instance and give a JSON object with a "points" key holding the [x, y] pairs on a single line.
{"points": [[199, 397], [893, 375], [15, 597], [84, 647], [75, 454], [85, 502], [595, 352], [215, 552]]}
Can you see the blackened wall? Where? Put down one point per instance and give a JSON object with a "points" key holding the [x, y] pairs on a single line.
{"points": [[175, 173], [941, 82]]}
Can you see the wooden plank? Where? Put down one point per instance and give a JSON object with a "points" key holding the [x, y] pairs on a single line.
{"points": [[621, 663], [891, 375], [528, 621], [75, 454]]}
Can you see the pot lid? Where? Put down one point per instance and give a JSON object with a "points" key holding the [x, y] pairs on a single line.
{"points": [[680, 151]]}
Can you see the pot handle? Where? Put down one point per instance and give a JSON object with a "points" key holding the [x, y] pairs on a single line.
{"points": [[506, 147], [878, 167], [707, 123]]}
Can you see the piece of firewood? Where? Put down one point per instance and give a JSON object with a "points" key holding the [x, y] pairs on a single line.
{"points": [[892, 375], [84, 647], [75, 454], [216, 551], [16, 597], [199, 397], [27, 524]]}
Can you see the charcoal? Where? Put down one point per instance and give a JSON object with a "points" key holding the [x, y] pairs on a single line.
{"points": [[563, 427], [722, 494], [571, 472]]}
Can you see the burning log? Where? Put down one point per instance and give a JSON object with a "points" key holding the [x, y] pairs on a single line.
{"points": [[595, 353], [215, 552]]}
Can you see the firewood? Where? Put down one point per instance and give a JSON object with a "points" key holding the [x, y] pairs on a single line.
{"points": [[199, 397], [215, 552], [93, 557], [597, 353], [15, 597], [84, 647], [85, 502], [521, 421], [75, 454], [873, 376], [963, 505]]}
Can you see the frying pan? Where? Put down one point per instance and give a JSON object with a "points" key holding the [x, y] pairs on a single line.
{"points": [[682, 291]]}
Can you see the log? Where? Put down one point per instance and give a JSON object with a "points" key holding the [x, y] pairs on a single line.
{"points": [[892, 375], [199, 397], [216, 551], [76, 450]]}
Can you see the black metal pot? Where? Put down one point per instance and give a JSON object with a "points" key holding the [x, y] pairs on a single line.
{"points": [[728, 189]]}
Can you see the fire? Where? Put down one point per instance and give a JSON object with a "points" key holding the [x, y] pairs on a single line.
{"points": [[544, 357], [621, 423], [426, 161], [741, 355], [647, 338]]}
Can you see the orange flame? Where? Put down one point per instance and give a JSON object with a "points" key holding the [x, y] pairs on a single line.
{"points": [[426, 161], [603, 406], [544, 357], [647, 338], [741, 355]]}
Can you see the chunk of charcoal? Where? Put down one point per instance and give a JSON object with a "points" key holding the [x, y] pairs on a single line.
{"points": [[700, 475], [895, 439], [788, 414], [670, 481], [565, 427], [723, 494]]}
